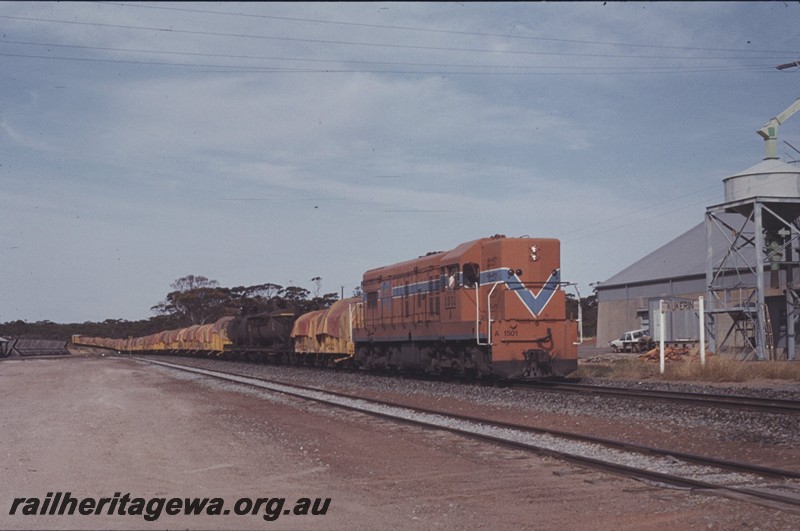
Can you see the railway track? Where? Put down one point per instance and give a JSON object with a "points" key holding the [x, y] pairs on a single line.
{"points": [[747, 403], [776, 488]]}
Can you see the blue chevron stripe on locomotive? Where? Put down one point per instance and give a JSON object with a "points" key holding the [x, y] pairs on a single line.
{"points": [[535, 302]]}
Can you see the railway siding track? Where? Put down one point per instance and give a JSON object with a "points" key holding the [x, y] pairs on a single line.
{"points": [[746, 403], [766, 486]]}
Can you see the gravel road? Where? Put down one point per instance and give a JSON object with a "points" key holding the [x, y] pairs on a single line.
{"points": [[99, 426]]}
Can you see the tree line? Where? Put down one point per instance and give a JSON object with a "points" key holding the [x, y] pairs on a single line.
{"points": [[194, 299]]}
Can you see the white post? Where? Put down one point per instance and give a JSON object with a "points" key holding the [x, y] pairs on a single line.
{"points": [[661, 326], [701, 308], [580, 319]]}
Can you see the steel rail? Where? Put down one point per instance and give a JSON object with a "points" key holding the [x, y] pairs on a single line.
{"points": [[754, 494], [739, 402]]}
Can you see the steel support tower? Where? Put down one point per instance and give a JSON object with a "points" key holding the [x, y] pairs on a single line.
{"points": [[753, 282]]}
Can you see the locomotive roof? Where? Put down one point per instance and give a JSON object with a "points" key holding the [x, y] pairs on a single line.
{"points": [[429, 259], [442, 257]]}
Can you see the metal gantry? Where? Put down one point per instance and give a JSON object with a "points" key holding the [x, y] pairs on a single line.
{"points": [[753, 283]]}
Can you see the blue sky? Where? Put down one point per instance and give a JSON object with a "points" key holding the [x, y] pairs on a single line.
{"points": [[278, 142]]}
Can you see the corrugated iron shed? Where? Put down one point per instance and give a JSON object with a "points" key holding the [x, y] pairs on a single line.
{"points": [[684, 257]]}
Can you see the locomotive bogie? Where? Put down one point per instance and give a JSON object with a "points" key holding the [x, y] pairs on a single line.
{"points": [[450, 358]]}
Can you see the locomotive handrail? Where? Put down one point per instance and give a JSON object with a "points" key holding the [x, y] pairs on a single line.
{"points": [[489, 315], [478, 316]]}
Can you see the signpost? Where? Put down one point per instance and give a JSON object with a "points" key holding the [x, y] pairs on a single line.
{"points": [[682, 306]]}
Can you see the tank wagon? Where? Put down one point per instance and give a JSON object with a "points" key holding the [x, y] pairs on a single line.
{"points": [[489, 307], [261, 337], [492, 306]]}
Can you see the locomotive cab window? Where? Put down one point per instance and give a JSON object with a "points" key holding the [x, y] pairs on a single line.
{"points": [[452, 276], [471, 275]]}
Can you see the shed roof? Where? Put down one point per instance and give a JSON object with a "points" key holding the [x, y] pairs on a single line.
{"points": [[683, 257]]}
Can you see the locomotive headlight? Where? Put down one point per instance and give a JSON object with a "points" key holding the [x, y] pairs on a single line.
{"points": [[534, 253]]}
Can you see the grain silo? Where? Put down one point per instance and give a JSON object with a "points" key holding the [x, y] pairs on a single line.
{"points": [[743, 260]]}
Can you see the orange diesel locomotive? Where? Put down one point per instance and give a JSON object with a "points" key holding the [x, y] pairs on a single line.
{"points": [[488, 307]]}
